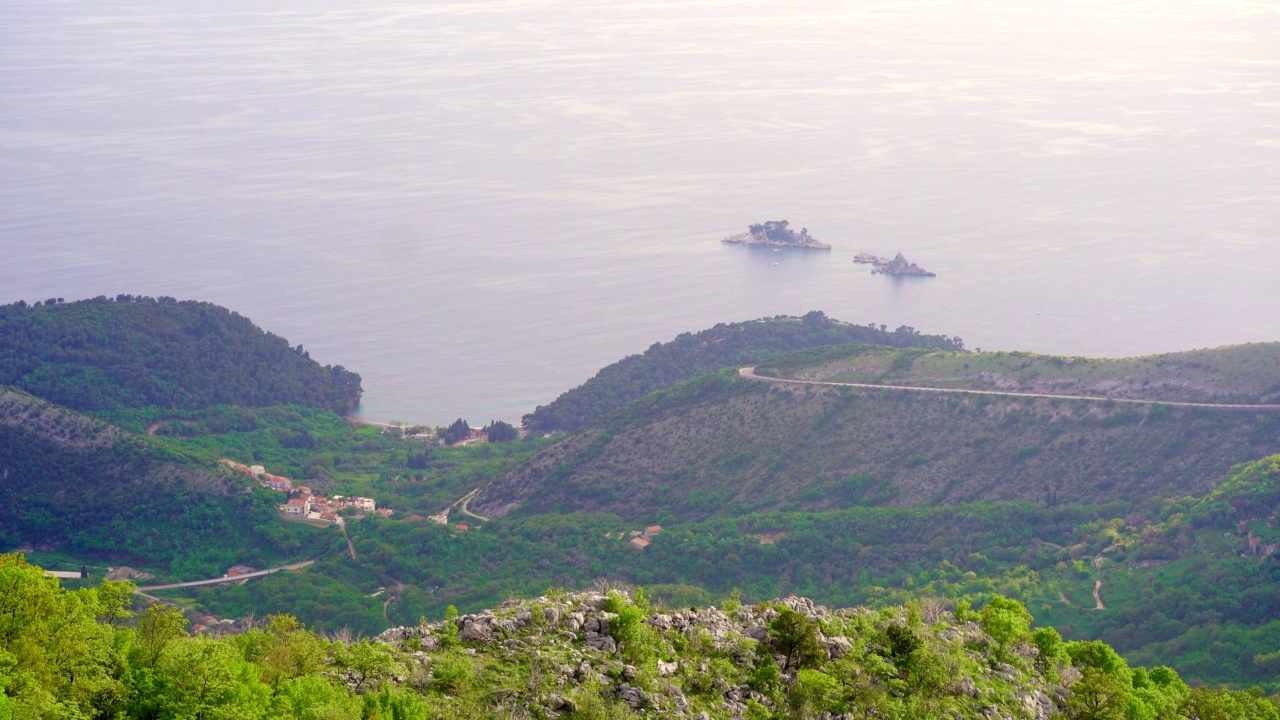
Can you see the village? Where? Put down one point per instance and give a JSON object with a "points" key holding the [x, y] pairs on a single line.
{"points": [[303, 504]]}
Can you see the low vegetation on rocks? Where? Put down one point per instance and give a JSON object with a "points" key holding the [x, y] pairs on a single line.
{"points": [[604, 653]]}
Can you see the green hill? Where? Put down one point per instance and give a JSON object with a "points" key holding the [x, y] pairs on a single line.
{"points": [[693, 354], [103, 355], [721, 445], [74, 484]]}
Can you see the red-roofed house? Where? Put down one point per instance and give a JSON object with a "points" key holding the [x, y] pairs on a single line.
{"points": [[276, 482], [652, 530]]}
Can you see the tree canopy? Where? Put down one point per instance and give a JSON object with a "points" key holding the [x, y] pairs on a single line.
{"points": [[103, 354]]}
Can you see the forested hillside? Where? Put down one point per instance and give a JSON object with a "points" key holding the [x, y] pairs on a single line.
{"points": [[579, 656], [103, 355], [78, 485], [1148, 560], [722, 445], [693, 354]]}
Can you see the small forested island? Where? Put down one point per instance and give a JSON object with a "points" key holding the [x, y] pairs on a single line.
{"points": [[776, 233], [897, 266]]}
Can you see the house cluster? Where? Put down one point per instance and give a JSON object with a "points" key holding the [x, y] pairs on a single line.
{"points": [[259, 473], [305, 505], [640, 539]]}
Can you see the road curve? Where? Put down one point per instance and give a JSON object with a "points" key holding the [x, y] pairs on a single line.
{"points": [[749, 373], [216, 581], [463, 507]]}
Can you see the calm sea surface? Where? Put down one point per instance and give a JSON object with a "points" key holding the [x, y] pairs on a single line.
{"points": [[477, 204]]}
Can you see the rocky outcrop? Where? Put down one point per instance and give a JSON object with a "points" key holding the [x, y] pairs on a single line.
{"points": [[702, 662]]}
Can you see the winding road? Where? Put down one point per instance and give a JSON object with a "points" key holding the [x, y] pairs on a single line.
{"points": [[749, 373], [463, 507], [218, 581]]}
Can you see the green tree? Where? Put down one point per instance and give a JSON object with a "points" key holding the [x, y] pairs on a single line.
{"points": [[366, 662], [1052, 655], [1097, 654], [1224, 704], [312, 696], [629, 628], [812, 693], [1006, 621], [499, 432], [209, 680], [291, 652], [115, 600], [449, 630], [796, 638], [158, 627], [458, 430], [56, 658], [1097, 696]]}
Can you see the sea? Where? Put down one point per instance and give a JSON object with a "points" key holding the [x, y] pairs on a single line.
{"points": [[476, 205]]}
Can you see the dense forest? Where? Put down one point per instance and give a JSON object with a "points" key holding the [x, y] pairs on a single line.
{"points": [[103, 355], [609, 653], [692, 354]]}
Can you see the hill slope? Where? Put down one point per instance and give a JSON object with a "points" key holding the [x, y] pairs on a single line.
{"points": [[75, 484], [102, 355], [1241, 374], [721, 445], [690, 355]]}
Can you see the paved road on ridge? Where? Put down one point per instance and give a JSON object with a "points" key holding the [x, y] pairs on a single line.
{"points": [[216, 581], [749, 373]]}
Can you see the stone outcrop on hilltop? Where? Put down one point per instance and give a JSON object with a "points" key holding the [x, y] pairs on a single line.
{"points": [[707, 663]]}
